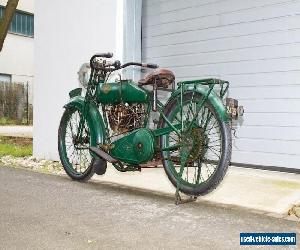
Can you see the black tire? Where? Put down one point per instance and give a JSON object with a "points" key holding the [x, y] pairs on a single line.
{"points": [[222, 166], [68, 163]]}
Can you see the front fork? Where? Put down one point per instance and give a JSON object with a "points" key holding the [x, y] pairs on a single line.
{"points": [[81, 123]]}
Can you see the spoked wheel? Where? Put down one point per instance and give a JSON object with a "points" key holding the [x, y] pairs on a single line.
{"points": [[197, 155], [73, 145]]}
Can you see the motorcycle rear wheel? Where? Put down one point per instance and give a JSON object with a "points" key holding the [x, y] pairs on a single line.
{"points": [[74, 152], [207, 147]]}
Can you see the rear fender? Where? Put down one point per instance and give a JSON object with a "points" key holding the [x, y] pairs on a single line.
{"points": [[213, 98]]}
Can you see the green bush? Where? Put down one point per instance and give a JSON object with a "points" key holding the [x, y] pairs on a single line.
{"points": [[15, 146]]}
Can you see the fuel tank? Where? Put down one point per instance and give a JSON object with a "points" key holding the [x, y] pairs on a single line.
{"points": [[123, 91]]}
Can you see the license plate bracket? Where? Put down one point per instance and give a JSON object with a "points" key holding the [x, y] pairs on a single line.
{"points": [[233, 109]]}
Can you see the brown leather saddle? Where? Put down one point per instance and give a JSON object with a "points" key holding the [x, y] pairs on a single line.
{"points": [[163, 78]]}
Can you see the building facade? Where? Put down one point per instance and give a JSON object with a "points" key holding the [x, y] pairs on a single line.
{"points": [[253, 44], [16, 57]]}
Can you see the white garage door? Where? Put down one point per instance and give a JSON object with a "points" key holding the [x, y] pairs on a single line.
{"points": [[253, 44]]}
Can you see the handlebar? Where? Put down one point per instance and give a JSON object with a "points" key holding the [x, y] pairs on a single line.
{"points": [[145, 65], [115, 65]]}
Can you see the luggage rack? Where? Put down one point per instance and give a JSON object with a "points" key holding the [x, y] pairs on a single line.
{"points": [[232, 106]]}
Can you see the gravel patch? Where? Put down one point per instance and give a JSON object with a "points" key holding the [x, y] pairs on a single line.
{"points": [[30, 162]]}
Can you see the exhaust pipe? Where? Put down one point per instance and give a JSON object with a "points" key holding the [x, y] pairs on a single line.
{"points": [[101, 154]]}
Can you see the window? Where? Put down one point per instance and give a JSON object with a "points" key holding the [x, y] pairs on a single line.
{"points": [[5, 78], [22, 23]]}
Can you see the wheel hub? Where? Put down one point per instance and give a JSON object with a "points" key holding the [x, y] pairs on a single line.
{"points": [[79, 142], [195, 142]]}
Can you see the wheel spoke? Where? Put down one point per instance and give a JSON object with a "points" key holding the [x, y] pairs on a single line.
{"points": [[77, 149], [198, 171], [197, 158]]}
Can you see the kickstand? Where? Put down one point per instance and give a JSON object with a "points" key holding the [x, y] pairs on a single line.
{"points": [[179, 200]]}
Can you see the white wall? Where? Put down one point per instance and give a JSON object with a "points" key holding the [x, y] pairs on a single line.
{"points": [[16, 57], [253, 44], [67, 34]]}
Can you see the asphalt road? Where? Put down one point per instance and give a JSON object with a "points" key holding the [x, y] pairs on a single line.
{"points": [[40, 211]]}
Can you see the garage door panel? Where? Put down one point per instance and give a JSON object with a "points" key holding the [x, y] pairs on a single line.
{"points": [[254, 78], [268, 65], [272, 92], [168, 12], [279, 9], [266, 146], [253, 44], [278, 133], [209, 21], [271, 105], [271, 119], [240, 29], [225, 56], [159, 11], [233, 45], [221, 20], [191, 25], [264, 79], [266, 159]]}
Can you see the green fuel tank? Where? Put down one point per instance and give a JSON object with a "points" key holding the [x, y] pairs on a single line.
{"points": [[118, 92]]}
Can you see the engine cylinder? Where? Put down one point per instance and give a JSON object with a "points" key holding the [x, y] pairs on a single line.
{"points": [[125, 117]]}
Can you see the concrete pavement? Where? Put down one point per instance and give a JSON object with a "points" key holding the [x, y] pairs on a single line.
{"points": [[270, 192], [17, 131], [40, 211], [267, 191]]}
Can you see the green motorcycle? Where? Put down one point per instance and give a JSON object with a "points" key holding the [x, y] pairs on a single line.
{"points": [[111, 122]]}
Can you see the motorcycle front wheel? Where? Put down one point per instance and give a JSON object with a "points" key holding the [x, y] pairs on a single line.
{"points": [[195, 157], [73, 145]]}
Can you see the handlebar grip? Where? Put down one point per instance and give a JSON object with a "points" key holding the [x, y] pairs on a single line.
{"points": [[146, 65], [105, 55], [151, 65], [116, 64]]}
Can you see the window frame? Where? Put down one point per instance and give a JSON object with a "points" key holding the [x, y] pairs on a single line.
{"points": [[7, 75], [28, 30]]}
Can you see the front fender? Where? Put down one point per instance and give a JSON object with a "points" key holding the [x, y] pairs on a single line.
{"points": [[213, 98], [93, 117]]}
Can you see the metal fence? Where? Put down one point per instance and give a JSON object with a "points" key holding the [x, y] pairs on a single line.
{"points": [[15, 104]]}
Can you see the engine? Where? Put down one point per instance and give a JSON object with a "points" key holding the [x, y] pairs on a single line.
{"points": [[125, 117]]}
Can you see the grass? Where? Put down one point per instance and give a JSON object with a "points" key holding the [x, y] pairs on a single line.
{"points": [[6, 121], [15, 146]]}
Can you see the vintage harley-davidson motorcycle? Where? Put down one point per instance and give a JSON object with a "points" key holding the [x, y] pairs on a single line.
{"points": [[111, 122]]}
